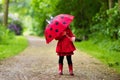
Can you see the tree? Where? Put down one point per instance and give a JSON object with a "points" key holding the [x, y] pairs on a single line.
{"points": [[119, 5], [40, 11], [110, 2], [119, 1], [6, 6], [83, 10]]}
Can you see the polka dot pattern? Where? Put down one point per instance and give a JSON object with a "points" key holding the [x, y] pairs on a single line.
{"points": [[62, 17], [64, 22], [56, 30], [57, 25], [51, 29]]}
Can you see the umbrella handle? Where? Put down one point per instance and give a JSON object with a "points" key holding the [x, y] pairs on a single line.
{"points": [[48, 21], [51, 17]]}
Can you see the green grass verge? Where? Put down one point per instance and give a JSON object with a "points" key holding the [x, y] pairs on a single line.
{"points": [[13, 47], [101, 52]]}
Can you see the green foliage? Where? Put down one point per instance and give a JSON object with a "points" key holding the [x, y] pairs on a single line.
{"points": [[14, 46], [9, 44], [5, 35], [107, 23], [106, 27], [18, 11], [102, 52], [22, 7], [41, 10], [104, 43], [113, 25], [0, 7], [83, 10], [115, 46]]}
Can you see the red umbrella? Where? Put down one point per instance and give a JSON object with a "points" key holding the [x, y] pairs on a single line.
{"points": [[57, 25]]}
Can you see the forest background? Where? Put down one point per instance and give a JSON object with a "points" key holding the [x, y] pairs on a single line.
{"points": [[96, 24]]}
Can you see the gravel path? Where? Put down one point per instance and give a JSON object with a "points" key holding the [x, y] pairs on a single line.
{"points": [[40, 62]]}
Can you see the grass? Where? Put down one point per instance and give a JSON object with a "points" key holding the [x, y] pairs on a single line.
{"points": [[13, 47], [101, 52]]}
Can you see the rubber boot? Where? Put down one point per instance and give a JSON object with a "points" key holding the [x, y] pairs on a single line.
{"points": [[60, 69], [71, 69]]}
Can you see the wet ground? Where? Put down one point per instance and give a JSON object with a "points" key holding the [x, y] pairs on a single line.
{"points": [[40, 62]]}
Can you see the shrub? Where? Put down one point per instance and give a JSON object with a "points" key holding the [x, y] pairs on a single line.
{"points": [[5, 35], [107, 24]]}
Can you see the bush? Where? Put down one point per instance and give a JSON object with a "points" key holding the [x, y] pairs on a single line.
{"points": [[16, 28], [5, 35], [102, 51], [14, 47], [107, 24], [106, 28]]}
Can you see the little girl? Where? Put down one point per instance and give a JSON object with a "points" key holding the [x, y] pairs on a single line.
{"points": [[65, 47]]}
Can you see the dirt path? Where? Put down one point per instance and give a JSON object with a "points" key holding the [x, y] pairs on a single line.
{"points": [[40, 62]]}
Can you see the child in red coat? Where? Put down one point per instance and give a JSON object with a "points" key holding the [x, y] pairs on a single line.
{"points": [[65, 47]]}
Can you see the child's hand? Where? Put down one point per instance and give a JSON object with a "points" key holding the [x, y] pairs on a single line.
{"points": [[64, 33], [71, 38]]}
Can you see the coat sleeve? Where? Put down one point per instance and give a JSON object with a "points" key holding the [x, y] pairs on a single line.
{"points": [[69, 33]]}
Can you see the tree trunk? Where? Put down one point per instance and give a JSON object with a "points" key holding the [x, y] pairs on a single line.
{"points": [[119, 5], [119, 1], [6, 6], [110, 2]]}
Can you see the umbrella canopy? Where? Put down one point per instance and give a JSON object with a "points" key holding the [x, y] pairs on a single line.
{"points": [[57, 25]]}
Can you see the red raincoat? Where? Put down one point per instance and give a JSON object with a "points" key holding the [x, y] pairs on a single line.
{"points": [[65, 46]]}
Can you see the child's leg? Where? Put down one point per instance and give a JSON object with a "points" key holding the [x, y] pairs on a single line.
{"points": [[61, 58], [70, 65], [69, 60]]}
